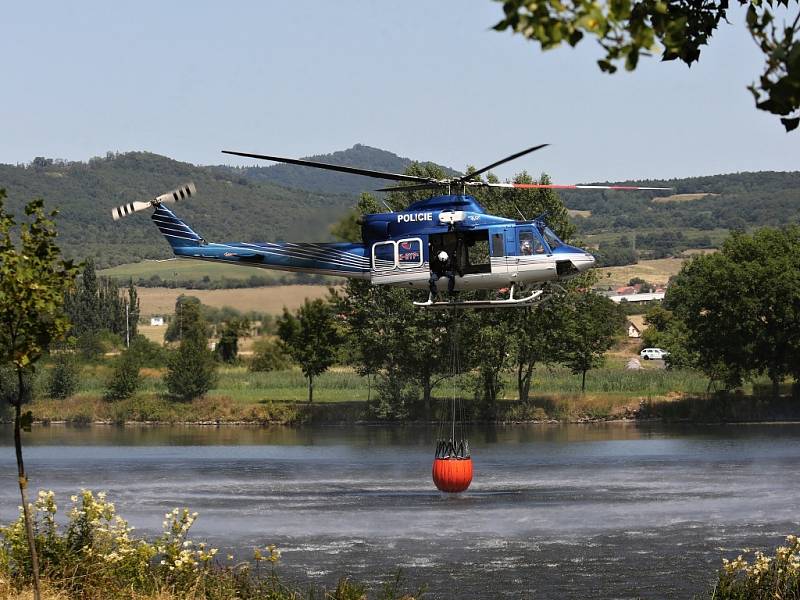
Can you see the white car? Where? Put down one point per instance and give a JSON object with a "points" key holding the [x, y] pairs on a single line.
{"points": [[653, 354]]}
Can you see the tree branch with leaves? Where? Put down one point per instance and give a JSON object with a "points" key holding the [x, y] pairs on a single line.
{"points": [[673, 29], [34, 278]]}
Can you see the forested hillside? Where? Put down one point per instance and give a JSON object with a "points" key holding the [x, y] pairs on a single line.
{"points": [[288, 202], [735, 201], [317, 180], [227, 206]]}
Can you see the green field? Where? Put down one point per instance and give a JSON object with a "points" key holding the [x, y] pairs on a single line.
{"points": [[182, 270]]}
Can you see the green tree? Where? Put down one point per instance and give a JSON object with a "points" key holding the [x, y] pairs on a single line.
{"points": [[64, 376], [191, 369], [741, 307], [132, 313], [97, 309], [311, 338], [673, 29], [125, 379], [388, 335], [658, 320], [366, 349], [536, 338], [348, 229], [590, 325], [34, 279], [227, 348], [269, 355], [488, 340], [188, 318]]}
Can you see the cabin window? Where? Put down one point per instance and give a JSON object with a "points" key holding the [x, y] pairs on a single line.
{"points": [[529, 244], [497, 245], [409, 253], [383, 255]]}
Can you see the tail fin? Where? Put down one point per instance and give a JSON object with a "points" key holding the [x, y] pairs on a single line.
{"points": [[178, 233]]}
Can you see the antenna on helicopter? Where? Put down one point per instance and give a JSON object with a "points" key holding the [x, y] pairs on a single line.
{"points": [[519, 212], [387, 205]]}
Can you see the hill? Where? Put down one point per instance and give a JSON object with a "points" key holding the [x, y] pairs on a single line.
{"points": [[317, 180], [734, 201], [289, 202], [227, 206]]}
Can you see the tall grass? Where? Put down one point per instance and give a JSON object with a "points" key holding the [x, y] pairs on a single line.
{"points": [[277, 396], [629, 383]]}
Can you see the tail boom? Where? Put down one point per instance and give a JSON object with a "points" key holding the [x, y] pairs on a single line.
{"points": [[340, 259]]}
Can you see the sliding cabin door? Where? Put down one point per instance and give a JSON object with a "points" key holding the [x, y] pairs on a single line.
{"points": [[501, 240]]}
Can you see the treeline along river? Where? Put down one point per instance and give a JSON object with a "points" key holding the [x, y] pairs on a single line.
{"points": [[604, 511]]}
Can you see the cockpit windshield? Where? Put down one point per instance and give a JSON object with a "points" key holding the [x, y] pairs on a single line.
{"points": [[550, 237]]}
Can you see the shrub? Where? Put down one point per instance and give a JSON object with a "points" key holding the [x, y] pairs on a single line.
{"points": [[763, 577], [64, 376], [125, 378], [395, 398], [269, 355], [149, 354], [191, 370], [96, 554]]}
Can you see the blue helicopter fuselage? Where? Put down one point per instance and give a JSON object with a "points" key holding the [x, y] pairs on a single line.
{"points": [[490, 252]]}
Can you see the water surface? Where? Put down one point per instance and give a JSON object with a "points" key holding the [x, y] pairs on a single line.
{"points": [[605, 511]]}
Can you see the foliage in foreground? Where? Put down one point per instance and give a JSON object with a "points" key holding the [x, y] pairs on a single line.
{"points": [[96, 554], [673, 29], [763, 576]]}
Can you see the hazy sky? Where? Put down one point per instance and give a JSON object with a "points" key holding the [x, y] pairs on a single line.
{"points": [[427, 80]]}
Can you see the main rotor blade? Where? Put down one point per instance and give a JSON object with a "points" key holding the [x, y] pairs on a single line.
{"points": [[330, 167], [412, 188], [505, 160], [552, 186]]}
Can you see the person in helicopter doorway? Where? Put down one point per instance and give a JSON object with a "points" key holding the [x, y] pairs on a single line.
{"points": [[442, 266]]}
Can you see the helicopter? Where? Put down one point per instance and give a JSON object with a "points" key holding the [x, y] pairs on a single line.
{"points": [[403, 248]]}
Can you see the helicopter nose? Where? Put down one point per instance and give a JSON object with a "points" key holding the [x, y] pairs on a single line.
{"points": [[585, 262]]}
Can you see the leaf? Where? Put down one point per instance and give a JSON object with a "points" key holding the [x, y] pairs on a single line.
{"points": [[791, 124]]}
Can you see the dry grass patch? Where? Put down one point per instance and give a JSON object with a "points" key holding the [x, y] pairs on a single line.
{"points": [[682, 197], [655, 271], [573, 212], [161, 301]]}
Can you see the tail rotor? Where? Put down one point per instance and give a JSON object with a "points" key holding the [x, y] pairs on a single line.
{"points": [[173, 196]]}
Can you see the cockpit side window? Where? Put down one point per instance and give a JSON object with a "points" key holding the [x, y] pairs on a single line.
{"points": [[529, 244], [551, 238]]}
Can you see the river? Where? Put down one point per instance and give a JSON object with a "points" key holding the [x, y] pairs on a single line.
{"points": [[573, 511]]}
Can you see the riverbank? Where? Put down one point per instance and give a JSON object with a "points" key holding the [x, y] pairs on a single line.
{"points": [[341, 396], [214, 410]]}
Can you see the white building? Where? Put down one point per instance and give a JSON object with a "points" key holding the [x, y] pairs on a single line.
{"points": [[157, 321]]}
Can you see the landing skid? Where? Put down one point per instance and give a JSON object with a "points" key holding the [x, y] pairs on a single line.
{"points": [[510, 302]]}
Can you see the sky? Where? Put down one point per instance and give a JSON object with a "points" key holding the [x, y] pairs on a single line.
{"points": [[426, 80]]}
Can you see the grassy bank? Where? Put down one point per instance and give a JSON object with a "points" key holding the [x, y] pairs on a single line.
{"points": [[341, 396], [725, 407]]}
